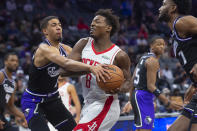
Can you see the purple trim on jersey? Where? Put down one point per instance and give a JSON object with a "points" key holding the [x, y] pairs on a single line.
{"points": [[176, 35], [145, 104], [41, 95], [29, 104], [39, 68], [189, 110], [62, 50], [62, 123]]}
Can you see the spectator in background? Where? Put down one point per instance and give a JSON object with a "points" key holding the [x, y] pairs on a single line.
{"points": [[27, 63], [81, 25], [28, 7], [168, 75], [143, 33], [11, 5], [126, 8]]}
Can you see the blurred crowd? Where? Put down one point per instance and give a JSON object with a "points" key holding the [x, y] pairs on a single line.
{"points": [[19, 32]]}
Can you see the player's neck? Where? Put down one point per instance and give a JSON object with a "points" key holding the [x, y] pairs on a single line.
{"points": [[102, 43], [8, 73], [155, 54], [171, 22], [53, 43]]}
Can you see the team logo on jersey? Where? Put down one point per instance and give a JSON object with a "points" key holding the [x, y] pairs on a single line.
{"points": [[105, 57], [52, 71], [26, 113], [92, 127], [148, 120], [8, 88]]}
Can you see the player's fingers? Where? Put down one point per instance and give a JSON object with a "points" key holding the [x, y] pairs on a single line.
{"points": [[97, 77], [104, 65], [106, 74], [101, 76]]}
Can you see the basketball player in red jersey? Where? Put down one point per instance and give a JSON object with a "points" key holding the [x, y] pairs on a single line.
{"points": [[101, 109]]}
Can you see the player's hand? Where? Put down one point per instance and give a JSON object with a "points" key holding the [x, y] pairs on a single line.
{"points": [[1, 124], [194, 72], [189, 93], [24, 123], [77, 119], [100, 72], [127, 108], [175, 106]]}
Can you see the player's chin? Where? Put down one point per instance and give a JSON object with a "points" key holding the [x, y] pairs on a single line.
{"points": [[92, 35], [59, 38]]}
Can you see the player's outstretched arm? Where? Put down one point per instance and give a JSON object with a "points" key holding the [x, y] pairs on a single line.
{"points": [[75, 54], [152, 66], [52, 54]]}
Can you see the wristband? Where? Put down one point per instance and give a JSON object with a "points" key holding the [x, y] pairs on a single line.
{"points": [[156, 92], [168, 104]]}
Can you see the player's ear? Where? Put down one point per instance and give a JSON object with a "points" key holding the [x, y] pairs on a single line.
{"points": [[173, 8], [109, 28], [44, 31]]}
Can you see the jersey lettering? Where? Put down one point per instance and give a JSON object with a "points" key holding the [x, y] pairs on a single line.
{"points": [[182, 57], [137, 76]]}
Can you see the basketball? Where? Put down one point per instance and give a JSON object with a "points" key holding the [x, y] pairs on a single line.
{"points": [[116, 80]]}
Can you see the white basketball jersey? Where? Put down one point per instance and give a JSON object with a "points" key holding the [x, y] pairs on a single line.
{"points": [[63, 91], [91, 57]]}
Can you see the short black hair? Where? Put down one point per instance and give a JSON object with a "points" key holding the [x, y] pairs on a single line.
{"points": [[111, 19], [152, 39], [184, 6], [44, 21], [9, 54]]}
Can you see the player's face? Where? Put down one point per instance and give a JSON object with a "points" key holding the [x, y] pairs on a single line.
{"points": [[54, 30], [99, 27], [12, 63], [158, 46], [164, 14]]}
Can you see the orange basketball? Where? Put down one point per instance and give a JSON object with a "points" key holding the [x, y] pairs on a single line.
{"points": [[116, 80]]}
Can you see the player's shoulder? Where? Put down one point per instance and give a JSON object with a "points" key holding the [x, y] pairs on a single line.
{"points": [[83, 41], [185, 21], [81, 44], [43, 46], [152, 61], [122, 58], [67, 48], [122, 54]]}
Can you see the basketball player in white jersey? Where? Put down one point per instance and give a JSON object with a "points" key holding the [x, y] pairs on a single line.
{"points": [[101, 109], [67, 92]]}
